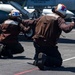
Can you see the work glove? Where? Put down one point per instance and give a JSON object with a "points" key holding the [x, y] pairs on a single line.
{"points": [[26, 29]]}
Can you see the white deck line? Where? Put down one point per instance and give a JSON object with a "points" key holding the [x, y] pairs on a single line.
{"points": [[68, 59]]}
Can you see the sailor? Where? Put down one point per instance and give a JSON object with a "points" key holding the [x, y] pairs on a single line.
{"points": [[10, 30], [47, 32]]}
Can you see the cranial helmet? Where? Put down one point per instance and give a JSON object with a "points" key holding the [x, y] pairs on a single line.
{"points": [[14, 13], [61, 8]]}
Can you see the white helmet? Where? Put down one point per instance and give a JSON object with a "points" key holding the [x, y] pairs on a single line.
{"points": [[14, 13], [61, 8]]}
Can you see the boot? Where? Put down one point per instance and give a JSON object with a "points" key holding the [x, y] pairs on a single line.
{"points": [[41, 61]]}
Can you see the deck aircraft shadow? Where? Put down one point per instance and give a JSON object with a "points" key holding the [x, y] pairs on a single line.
{"points": [[18, 58], [21, 58], [65, 40], [70, 69], [62, 68], [61, 40]]}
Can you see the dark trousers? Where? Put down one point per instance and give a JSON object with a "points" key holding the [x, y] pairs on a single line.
{"points": [[13, 48], [53, 55]]}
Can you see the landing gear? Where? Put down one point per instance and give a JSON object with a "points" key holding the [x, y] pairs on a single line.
{"points": [[29, 34]]}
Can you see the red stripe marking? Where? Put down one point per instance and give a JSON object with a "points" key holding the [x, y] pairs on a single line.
{"points": [[26, 71]]}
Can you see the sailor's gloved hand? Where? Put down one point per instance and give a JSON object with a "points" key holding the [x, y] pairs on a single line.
{"points": [[26, 29]]}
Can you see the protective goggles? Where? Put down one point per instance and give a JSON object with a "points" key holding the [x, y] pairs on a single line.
{"points": [[15, 14]]}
